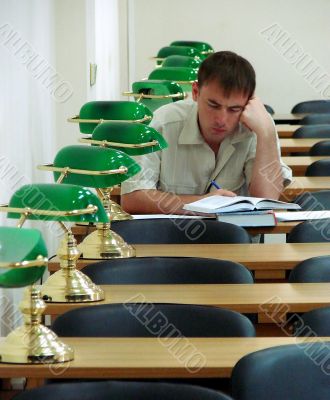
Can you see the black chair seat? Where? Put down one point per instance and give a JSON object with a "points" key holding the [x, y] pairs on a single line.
{"points": [[317, 230], [312, 131], [316, 119], [284, 372], [163, 270], [320, 149], [319, 168], [311, 106], [183, 231], [316, 201], [136, 320], [312, 270], [116, 390]]}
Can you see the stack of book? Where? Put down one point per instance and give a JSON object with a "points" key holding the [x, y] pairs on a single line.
{"points": [[240, 210]]}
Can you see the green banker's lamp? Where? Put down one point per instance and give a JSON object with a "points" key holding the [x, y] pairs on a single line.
{"points": [[181, 61], [176, 50], [61, 203], [94, 113], [100, 168], [156, 93], [132, 139], [184, 76], [204, 48], [22, 262]]}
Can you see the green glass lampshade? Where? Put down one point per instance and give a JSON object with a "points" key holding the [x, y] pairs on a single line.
{"points": [[182, 75], [204, 48], [18, 245], [112, 110], [177, 50], [135, 134], [181, 61], [160, 92], [92, 158], [55, 202]]}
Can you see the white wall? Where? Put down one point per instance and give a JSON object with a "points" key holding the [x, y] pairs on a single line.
{"points": [[236, 25]]}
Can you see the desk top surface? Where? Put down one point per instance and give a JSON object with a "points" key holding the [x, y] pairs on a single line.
{"points": [[245, 298], [268, 256], [102, 358]]}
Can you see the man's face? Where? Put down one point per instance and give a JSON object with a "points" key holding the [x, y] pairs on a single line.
{"points": [[218, 115]]}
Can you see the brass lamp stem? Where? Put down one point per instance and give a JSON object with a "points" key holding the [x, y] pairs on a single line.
{"points": [[68, 284], [104, 243]]}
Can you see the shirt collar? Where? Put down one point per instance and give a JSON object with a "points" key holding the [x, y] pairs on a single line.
{"points": [[190, 133]]}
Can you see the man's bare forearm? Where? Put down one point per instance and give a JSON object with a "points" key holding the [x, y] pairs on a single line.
{"points": [[158, 202], [155, 202], [267, 177]]}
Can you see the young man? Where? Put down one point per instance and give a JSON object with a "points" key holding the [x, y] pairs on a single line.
{"points": [[225, 135]]}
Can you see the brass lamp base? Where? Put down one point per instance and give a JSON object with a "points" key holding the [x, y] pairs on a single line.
{"points": [[33, 343], [70, 286], [117, 213], [105, 244]]}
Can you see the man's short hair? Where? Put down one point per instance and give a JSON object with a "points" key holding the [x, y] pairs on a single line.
{"points": [[232, 72]]}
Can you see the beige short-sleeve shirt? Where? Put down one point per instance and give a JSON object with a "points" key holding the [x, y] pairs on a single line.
{"points": [[188, 164]]}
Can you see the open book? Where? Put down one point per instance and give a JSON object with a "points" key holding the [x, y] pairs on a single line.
{"points": [[223, 204]]}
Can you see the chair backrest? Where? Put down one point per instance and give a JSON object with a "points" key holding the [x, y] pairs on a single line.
{"points": [[317, 201], [315, 119], [283, 372], [320, 149], [136, 320], [312, 131], [312, 270], [317, 230], [183, 231], [167, 270], [312, 106], [269, 109], [314, 322], [120, 390], [319, 168]]}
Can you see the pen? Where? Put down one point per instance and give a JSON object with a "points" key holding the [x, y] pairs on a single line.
{"points": [[213, 183]]}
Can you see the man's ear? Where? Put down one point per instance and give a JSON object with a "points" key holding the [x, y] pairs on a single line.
{"points": [[195, 90]]}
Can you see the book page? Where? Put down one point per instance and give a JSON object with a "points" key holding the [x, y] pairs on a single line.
{"points": [[170, 216], [302, 215]]}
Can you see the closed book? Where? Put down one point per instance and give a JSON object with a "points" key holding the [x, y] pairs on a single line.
{"points": [[221, 204], [249, 218]]}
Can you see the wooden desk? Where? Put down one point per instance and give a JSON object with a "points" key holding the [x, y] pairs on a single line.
{"points": [[290, 145], [302, 184], [244, 298], [268, 256], [81, 231], [293, 119], [110, 358], [286, 131], [300, 164]]}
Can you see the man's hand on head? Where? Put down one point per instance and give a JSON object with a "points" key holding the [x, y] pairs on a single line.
{"points": [[256, 118]]}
